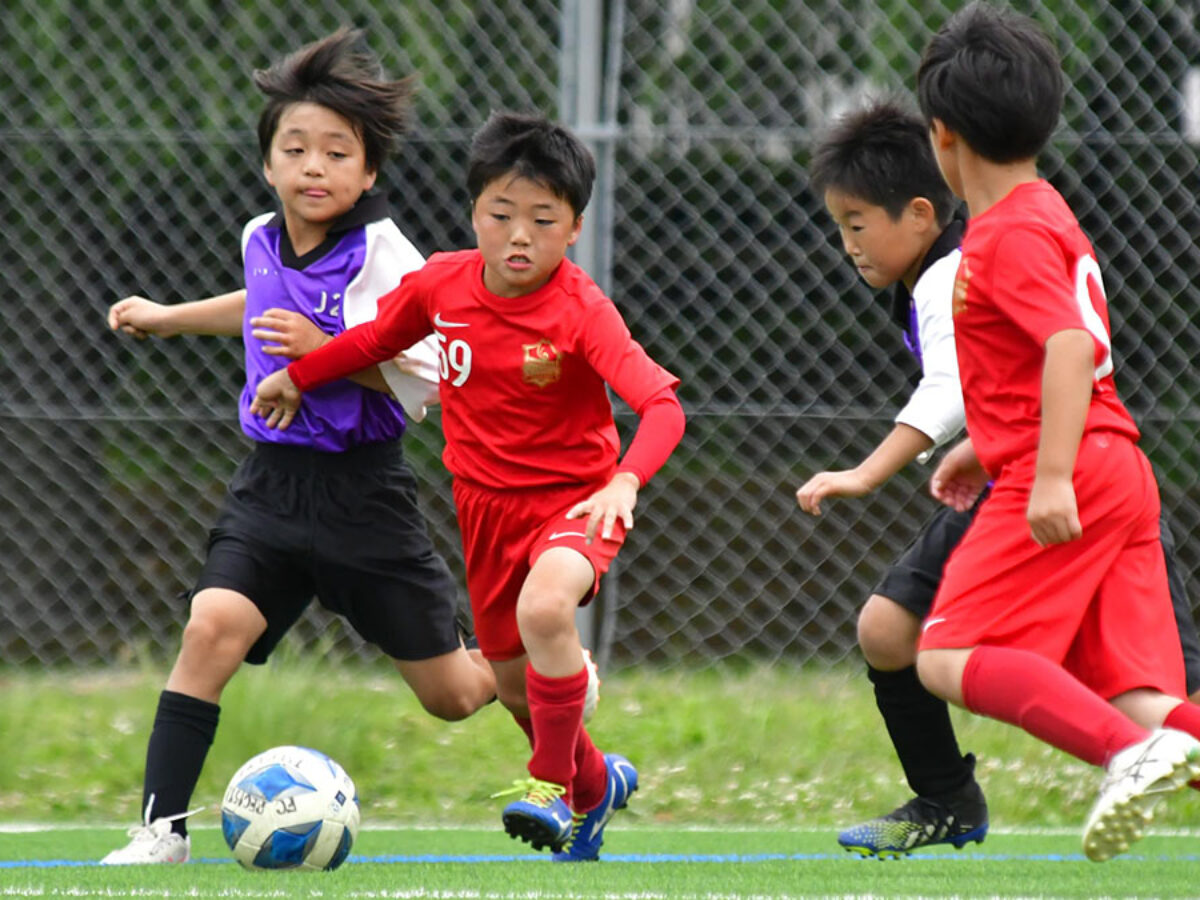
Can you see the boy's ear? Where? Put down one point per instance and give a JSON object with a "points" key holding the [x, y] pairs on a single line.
{"points": [[922, 209], [575, 230], [941, 136], [267, 173], [369, 180]]}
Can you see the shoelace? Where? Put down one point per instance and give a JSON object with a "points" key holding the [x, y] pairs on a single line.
{"points": [[155, 829], [576, 821], [537, 792]]}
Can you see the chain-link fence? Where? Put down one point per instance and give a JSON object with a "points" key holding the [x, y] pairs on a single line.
{"points": [[127, 143]]}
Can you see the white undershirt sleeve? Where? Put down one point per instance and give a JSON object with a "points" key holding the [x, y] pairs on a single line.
{"points": [[936, 406], [391, 256]]}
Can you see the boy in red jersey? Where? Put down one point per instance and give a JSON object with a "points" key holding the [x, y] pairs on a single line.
{"points": [[900, 228], [1056, 599], [527, 343]]}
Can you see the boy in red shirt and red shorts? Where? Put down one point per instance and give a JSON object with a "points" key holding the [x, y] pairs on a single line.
{"points": [[527, 343], [1053, 613]]}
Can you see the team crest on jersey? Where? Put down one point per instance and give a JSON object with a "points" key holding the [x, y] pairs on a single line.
{"points": [[541, 365], [961, 280]]}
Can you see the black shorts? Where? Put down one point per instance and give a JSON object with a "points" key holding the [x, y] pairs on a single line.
{"points": [[1184, 618], [912, 581], [343, 527]]}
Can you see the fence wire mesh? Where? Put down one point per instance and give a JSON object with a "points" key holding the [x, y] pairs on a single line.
{"points": [[127, 141]]}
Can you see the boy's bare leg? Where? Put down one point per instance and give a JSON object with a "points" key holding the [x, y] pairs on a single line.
{"points": [[1027, 690], [949, 806], [451, 686], [546, 611], [221, 629], [565, 767], [556, 678]]}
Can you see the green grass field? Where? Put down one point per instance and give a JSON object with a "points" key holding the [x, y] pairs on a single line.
{"points": [[641, 863], [746, 775]]}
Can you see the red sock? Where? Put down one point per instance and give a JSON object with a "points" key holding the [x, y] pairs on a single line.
{"points": [[1025, 689], [591, 774], [1185, 717], [556, 709]]}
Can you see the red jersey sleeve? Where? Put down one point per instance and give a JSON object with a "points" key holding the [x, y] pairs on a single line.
{"points": [[1038, 286], [621, 361], [647, 387], [658, 434], [401, 322]]}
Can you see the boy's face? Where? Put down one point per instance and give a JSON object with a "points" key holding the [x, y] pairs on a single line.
{"points": [[883, 249], [523, 230], [317, 165]]}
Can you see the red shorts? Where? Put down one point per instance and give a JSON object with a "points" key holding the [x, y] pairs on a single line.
{"points": [[1098, 605], [503, 534]]}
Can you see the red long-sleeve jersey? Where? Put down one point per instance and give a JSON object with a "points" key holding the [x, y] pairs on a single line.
{"points": [[522, 379]]}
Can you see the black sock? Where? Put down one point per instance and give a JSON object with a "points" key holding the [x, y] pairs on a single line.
{"points": [[183, 731], [919, 725]]}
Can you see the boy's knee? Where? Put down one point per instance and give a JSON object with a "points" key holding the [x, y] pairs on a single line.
{"points": [[927, 672], [938, 674], [887, 634], [210, 653], [212, 639], [544, 616], [450, 706]]}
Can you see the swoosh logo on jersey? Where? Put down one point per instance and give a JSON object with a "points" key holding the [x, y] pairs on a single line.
{"points": [[929, 623], [442, 323], [559, 534]]}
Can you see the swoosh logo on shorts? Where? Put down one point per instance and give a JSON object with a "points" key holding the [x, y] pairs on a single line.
{"points": [[929, 623], [562, 534]]}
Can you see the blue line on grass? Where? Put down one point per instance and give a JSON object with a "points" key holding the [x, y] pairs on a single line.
{"points": [[655, 858]]}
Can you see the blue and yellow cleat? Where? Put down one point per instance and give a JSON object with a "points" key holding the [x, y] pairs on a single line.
{"points": [[587, 835], [541, 817], [921, 822]]}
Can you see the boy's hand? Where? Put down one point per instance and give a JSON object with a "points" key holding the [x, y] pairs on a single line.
{"points": [[292, 334], [615, 500], [1052, 512], [277, 400], [959, 478], [847, 483], [139, 317], [409, 365]]}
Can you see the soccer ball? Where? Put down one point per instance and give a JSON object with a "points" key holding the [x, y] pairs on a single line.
{"points": [[290, 808]]}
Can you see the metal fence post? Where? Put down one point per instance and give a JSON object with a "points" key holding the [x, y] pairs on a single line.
{"points": [[587, 105]]}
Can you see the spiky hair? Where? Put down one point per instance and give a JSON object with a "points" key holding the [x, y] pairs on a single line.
{"points": [[341, 74]]}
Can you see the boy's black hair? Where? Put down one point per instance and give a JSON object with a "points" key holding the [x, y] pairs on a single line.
{"points": [[339, 73], [881, 154], [535, 148], [994, 78]]}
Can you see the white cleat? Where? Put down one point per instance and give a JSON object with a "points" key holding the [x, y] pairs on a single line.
{"points": [[152, 842], [592, 700], [1138, 778]]}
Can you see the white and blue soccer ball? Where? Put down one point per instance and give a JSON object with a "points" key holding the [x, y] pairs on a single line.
{"points": [[290, 808]]}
